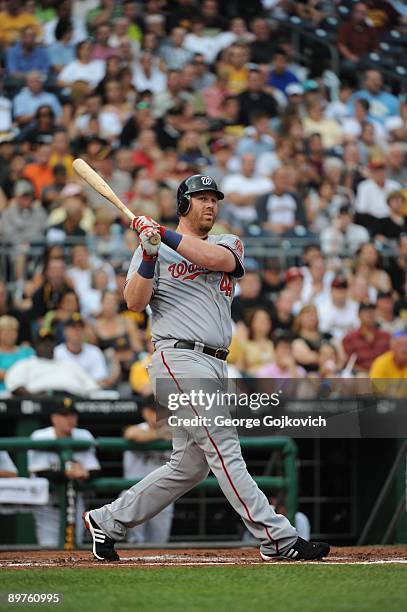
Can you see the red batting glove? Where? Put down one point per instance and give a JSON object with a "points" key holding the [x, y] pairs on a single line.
{"points": [[139, 224]]}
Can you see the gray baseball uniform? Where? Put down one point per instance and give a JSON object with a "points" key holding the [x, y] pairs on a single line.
{"points": [[193, 304]]}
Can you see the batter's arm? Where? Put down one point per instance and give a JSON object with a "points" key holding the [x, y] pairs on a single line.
{"points": [[138, 292]]}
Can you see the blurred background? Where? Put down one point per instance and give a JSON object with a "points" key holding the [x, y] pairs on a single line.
{"points": [[298, 110]]}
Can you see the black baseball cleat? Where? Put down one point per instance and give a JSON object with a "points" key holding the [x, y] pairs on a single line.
{"points": [[301, 550], [103, 546]]}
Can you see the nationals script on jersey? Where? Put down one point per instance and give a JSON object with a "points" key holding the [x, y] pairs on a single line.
{"points": [[190, 302]]}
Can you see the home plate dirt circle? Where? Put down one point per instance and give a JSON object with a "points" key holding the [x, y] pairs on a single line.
{"points": [[365, 555]]}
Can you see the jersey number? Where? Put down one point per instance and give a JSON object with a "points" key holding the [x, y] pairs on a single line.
{"points": [[226, 285]]}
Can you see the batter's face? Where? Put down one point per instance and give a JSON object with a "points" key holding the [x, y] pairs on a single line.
{"points": [[202, 214]]}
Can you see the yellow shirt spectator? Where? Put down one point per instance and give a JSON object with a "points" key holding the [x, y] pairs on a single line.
{"points": [[384, 366], [11, 26], [139, 378], [389, 371]]}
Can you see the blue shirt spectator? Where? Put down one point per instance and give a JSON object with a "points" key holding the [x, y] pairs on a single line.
{"points": [[382, 104], [62, 50], [25, 56], [27, 102], [280, 77]]}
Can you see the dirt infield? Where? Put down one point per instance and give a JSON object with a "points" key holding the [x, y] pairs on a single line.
{"points": [[192, 557]]}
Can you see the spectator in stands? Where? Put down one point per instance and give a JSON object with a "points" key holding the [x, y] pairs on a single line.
{"points": [[368, 263], [280, 76], [13, 20], [261, 47], [113, 330], [62, 51], [222, 152], [317, 280], [63, 10], [284, 365], [10, 352], [54, 286], [254, 98], [368, 341], [197, 41], [382, 103], [272, 278], [173, 52], [396, 163], [83, 70], [60, 151], [391, 227], [102, 50], [308, 338], [39, 172], [337, 314], [315, 123], [241, 190], [385, 312], [343, 235], [70, 227], [41, 129], [258, 348], [393, 363], [7, 467], [87, 356], [279, 211], [30, 99], [147, 75], [235, 67], [328, 361], [257, 138], [203, 78], [82, 268], [356, 38], [137, 465], [400, 307], [7, 308], [47, 464], [22, 223], [397, 268], [282, 312], [41, 374], [371, 195], [25, 56], [249, 298], [353, 126]]}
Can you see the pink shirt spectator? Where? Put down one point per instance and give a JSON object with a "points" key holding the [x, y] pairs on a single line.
{"points": [[272, 370]]}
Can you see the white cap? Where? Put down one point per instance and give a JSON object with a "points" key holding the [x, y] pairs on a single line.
{"points": [[393, 123], [294, 88]]}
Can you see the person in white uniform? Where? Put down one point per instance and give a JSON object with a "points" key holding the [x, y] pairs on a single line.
{"points": [[44, 463], [7, 467], [137, 465]]}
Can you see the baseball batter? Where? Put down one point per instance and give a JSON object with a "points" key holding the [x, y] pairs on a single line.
{"points": [[189, 282]]}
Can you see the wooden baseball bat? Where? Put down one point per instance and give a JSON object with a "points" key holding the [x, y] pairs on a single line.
{"points": [[94, 180]]}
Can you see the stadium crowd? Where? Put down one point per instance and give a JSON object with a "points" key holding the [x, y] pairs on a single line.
{"points": [[151, 92]]}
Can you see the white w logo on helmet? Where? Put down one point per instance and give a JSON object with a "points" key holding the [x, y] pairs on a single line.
{"points": [[206, 180]]}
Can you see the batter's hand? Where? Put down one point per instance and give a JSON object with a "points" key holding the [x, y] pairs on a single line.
{"points": [[150, 251], [139, 224]]}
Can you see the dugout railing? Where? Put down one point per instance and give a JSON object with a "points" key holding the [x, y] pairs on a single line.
{"points": [[66, 446]]}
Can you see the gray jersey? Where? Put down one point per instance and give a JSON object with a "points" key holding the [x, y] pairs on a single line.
{"points": [[190, 302]]}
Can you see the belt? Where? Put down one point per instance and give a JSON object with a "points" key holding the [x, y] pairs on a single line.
{"points": [[219, 353]]}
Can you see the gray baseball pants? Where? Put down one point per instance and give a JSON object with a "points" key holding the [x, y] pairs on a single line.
{"points": [[196, 451]]}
